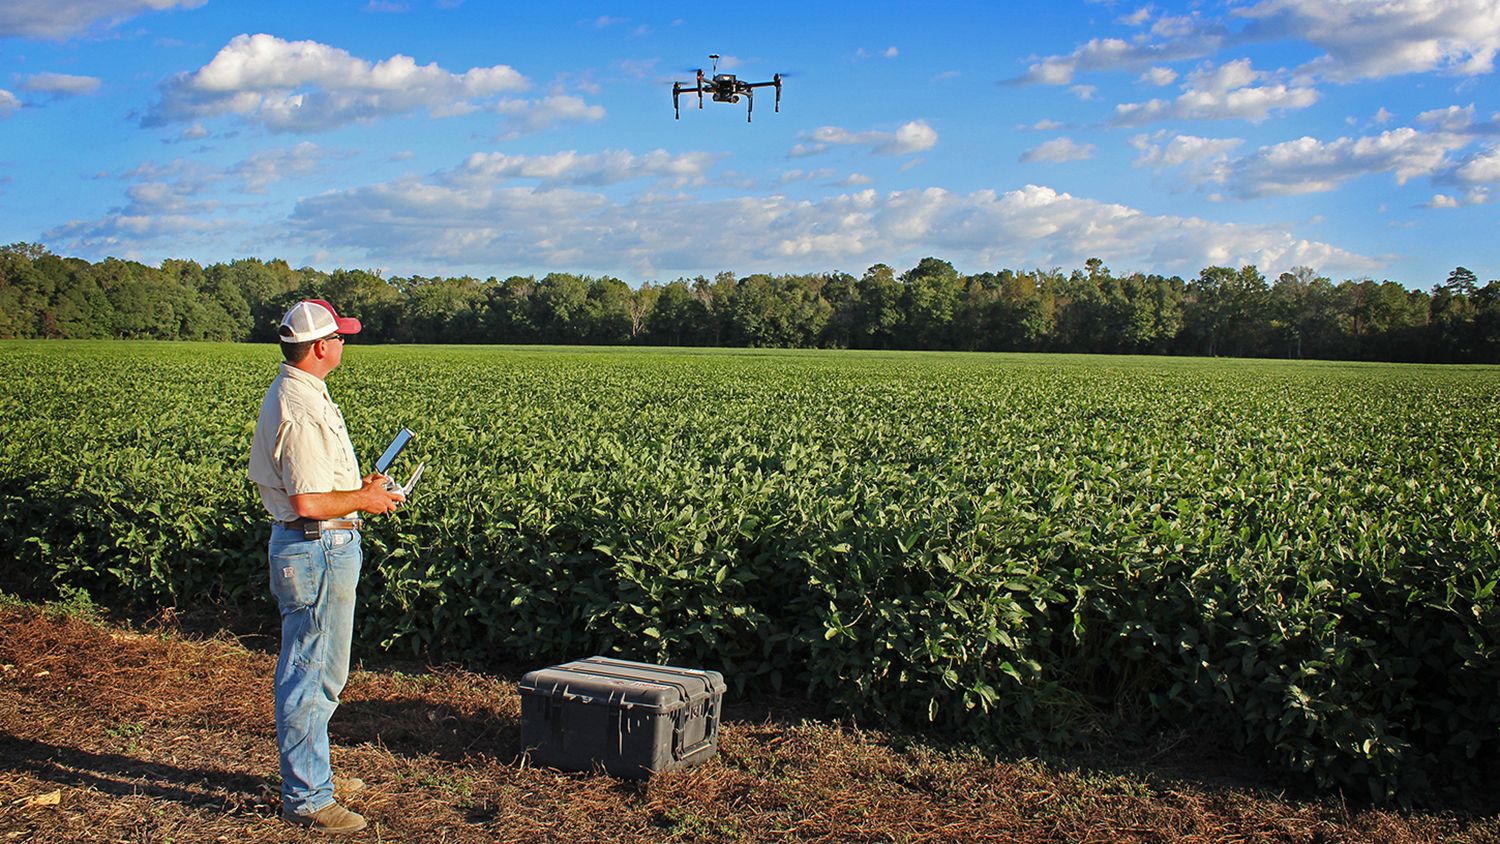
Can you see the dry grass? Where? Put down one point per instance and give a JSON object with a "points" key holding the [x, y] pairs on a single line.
{"points": [[158, 736]]}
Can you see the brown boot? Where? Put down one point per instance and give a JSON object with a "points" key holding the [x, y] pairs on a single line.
{"points": [[332, 819]]}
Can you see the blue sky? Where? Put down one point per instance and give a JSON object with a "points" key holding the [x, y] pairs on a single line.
{"points": [[1356, 137]]}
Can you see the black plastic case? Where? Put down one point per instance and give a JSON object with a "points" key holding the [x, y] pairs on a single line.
{"points": [[632, 719]]}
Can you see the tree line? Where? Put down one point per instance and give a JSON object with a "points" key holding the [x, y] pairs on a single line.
{"points": [[1222, 311]]}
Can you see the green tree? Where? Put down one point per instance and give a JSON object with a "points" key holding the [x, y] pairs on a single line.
{"points": [[368, 297], [560, 308], [930, 302], [678, 316], [716, 296], [607, 311], [1228, 311], [1452, 323], [642, 303], [441, 310], [30, 279], [507, 311], [879, 308], [841, 292], [268, 289], [1462, 282], [1487, 323]]}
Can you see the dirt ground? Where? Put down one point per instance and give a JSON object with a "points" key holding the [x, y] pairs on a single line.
{"points": [[119, 734]]}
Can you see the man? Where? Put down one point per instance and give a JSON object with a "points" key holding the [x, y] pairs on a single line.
{"points": [[303, 463]]}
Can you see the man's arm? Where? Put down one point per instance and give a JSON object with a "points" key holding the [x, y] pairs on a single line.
{"points": [[371, 498]]}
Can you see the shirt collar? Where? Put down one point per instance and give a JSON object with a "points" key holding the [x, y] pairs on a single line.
{"points": [[306, 379]]}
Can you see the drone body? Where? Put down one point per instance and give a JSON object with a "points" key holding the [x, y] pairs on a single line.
{"points": [[723, 88]]}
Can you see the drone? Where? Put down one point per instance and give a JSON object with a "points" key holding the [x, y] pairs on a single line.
{"points": [[725, 88]]}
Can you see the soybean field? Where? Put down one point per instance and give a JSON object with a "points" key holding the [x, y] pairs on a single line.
{"points": [[1299, 558]]}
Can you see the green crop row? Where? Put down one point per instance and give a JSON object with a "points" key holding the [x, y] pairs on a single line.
{"points": [[1300, 558]]}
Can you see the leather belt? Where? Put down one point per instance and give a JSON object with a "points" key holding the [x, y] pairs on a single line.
{"points": [[312, 528]]}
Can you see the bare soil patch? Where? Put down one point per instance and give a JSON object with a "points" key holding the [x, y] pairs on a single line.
{"points": [[111, 734]]}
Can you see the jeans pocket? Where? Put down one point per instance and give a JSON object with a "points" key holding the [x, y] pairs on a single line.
{"points": [[296, 576]]}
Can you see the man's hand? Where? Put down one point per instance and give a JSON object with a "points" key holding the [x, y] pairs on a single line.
{"points": [[375, 498]]}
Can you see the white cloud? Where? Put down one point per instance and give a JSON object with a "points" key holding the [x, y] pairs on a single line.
{"points": [[1059, 150], [1229, 91], [1383, 116], [1178, 26], [1138, 17], [1095, 54], [1452, 118], [594, 169], [1370, 40], [1159, 76], [637, 68], [790, 176], [891, 52], [64, 18], [449, 223], [1481, 168], [825, 176], [528, 116], [1044, 125], [1474, 195], [1083, 92], [1308, 165], [8, 103], [304, 86], [1160, 151], [1187, 42], [268, 166], [61, 84], [195, 132], [165, 205], [914, 136]]}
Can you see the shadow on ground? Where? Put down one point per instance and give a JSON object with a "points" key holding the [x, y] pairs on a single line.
{"points": [[124, 776], [416, 727]]}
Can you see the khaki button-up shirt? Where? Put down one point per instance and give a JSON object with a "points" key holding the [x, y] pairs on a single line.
{"points": [[300, 444]]}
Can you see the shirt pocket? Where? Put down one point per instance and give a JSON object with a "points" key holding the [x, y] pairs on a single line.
{"points": [[297, 576]]}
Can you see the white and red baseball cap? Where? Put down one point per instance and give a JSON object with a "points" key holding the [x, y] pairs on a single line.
{"points": [[314, 319]]}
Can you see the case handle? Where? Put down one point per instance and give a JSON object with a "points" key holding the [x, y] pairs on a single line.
{"points": [[710, 732]]}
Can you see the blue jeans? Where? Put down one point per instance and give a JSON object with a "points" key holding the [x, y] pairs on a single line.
{"points": [[313, 583]]}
